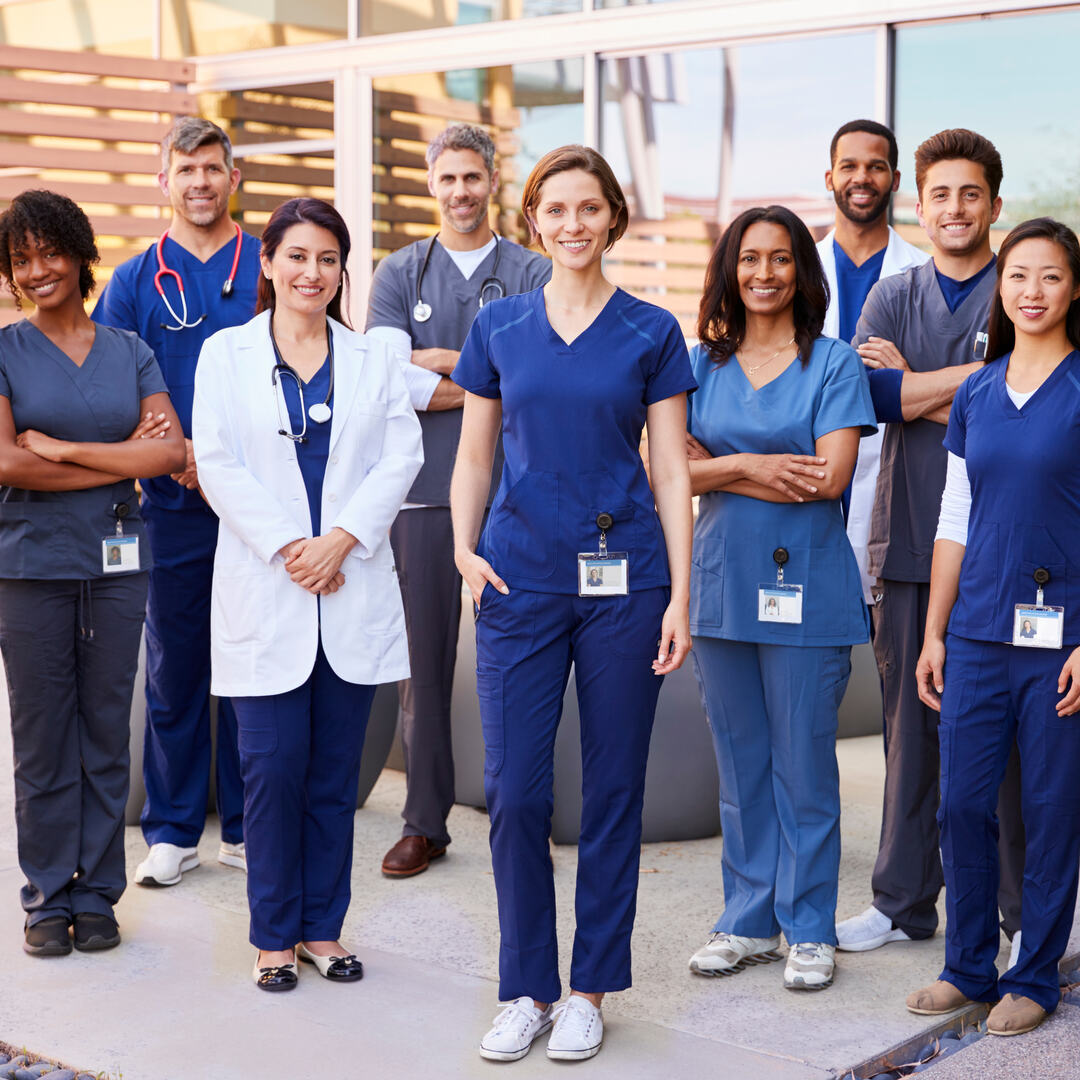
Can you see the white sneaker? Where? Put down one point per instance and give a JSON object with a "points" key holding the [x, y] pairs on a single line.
{"points": [[165, 864], [233, 855], [578, 1031], [810, 966], [1014, 951], [867, 931], [724, 954], [515, 1028]]}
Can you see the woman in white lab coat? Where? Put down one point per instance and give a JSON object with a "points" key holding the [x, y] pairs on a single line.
{"points": [[306, 446]]}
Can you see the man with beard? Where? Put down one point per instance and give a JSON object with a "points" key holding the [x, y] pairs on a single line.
{"points": [[860, 249], [923, 332], [423, 301]]}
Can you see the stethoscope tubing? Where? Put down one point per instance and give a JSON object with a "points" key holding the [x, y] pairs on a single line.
{"points": [[422, 310], [281, 368], [163, 271]]}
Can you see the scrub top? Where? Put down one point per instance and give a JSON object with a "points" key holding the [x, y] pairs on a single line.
{"points": [[572, 417], [312, 455], [130, 302], [1024, 469], [735, 535], [853, 285], [58, 534]]}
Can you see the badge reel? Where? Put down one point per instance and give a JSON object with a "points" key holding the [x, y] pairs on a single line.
{"points": [[603, 572], [120, 553], [780, 603], [1038, 626]]}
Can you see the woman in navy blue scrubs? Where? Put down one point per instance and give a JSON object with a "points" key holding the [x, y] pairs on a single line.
{"points": [[306, 445], [570, 374], [775, 600], [1001, 658], [73, 567]]}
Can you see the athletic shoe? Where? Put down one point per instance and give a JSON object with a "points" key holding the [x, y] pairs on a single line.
{"points": [[94, 932], [514, 1030], [867, 931], [810, 966], [724, 954], [578, 1031], [165, 864], [233, 855]]}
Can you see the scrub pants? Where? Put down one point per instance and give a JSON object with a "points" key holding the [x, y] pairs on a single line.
{"points": [[773, 714], [300, 759], [525, 644], [176, 750], [70, 652], [995, 694]]}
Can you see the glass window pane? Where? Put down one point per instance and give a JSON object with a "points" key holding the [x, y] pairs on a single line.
{"points": [[397, 16], [1010, 79], [124, 27], [697, 136], [528, 108], [209, 27]]}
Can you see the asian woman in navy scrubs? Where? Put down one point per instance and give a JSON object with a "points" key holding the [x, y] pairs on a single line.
{"points": [[306, 446], [1008, 553], [83, 410], [775, 599], [570, 373]]}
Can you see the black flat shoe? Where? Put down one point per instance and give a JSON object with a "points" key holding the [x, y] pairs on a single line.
{"points": [[275, 979], [95, 932], [334, 968], [48, 937]]}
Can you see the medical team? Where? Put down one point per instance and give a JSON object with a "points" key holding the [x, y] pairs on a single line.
{"points": [[302, 537]]}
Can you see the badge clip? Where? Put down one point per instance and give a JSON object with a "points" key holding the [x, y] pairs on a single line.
{"points": [[1038, 625], [780, 603], [603, 572]]}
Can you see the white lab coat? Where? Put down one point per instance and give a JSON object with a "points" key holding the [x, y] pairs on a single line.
{"points": [[899, 256], [264, 629]]}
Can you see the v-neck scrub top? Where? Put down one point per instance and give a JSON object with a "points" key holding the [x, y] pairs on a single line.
{"points": [[572, 417], [312, 455], [1023, 465], [735, 535], [58, 534]]}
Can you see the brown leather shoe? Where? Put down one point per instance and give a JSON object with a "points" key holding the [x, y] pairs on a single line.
{"points": [[409, 856], [1014, 1014], [937, 998]]}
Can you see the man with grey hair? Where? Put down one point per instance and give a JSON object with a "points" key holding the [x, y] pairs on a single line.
{"points": [[423, 300], [200, 277]]}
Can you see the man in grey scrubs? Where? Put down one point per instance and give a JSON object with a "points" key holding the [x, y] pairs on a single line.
{"points": [[423, 301], [922, 333]]}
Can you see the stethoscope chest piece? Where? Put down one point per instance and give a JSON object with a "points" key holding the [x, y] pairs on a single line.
{"points": [[421, 312], [319, 412]]}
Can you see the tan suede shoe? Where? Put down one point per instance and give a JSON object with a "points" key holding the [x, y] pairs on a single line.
{"points": [[939, 997], [1013, 1015]]}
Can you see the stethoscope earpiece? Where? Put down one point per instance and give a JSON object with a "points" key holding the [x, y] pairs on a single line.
{"points": [[422, 310]]}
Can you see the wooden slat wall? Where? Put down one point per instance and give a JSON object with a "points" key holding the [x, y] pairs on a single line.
{"points": [[88, 125]]}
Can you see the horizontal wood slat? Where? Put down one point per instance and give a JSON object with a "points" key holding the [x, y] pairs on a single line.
{"points": [[266, 203], [680, 228], [630, 250], [644, 277], [447, 108], [303, 175], [416, 215], [269, 112], [126, 225], [114, 193], [87, 63], [73, 126], [98, 97], [51, 157]]}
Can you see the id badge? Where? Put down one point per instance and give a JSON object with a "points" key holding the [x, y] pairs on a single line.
{"points": [[119, 554], [603, 573], [780, 603], [1036, 626]]}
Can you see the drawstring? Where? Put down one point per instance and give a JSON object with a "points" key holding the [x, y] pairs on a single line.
{"points": [[86, 612]]}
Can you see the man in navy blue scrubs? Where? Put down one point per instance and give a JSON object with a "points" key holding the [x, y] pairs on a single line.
{"points": [[922, 333], [206, 273]]}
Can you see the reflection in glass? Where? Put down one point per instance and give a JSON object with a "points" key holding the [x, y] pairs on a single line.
{"points": [[210, 27], [1011, 79], [398, 16], [697, 136], [528, 108], [123, 27]]}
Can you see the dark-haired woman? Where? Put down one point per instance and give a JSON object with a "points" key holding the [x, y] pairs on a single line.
{"points": [[775, 602], [306, 445], [83, 410], [1001, 658]]}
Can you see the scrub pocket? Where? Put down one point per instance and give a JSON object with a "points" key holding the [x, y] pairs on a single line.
{"points": [[707, 583], [489, 689], [835, 670], [257, 742]]}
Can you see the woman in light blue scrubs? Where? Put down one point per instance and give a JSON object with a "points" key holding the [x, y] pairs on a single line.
{"points": [[775, 600], [1001, 658], [570, 374], [83, 410]]}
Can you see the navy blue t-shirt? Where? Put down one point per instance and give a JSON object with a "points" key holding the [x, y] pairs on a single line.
{"points": [[311, 456], [956, 292], [853, 285]]}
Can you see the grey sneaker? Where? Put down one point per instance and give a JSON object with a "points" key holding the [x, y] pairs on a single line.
{"points": [[810, 966], [724, 954]]}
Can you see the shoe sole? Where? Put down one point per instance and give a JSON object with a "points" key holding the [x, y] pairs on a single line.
{"points": [[190, 863], [419, 870], [98, 944], [574, 1055], [233, 860], [796, 984], [277, 989], [53, 948], [513, 1055], [745, 962], [874, 943], [1018, 1031], [943, 1012]]}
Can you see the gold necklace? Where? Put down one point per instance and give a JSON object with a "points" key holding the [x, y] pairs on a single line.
{"points": [[758, 367]]}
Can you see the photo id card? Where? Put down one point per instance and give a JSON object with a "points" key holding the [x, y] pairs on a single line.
{"points": [[120, 554], [779, 603], [603, 575], [1038, 627]]}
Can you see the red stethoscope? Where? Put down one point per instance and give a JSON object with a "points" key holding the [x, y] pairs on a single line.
{"points": [[163, 271]]}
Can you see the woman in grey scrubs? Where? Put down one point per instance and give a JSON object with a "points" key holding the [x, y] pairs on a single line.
{"points": [[83, 410]]}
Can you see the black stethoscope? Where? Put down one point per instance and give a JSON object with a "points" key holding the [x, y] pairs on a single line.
{"points": [[163, 271], [320, 411], [422, 311]]}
